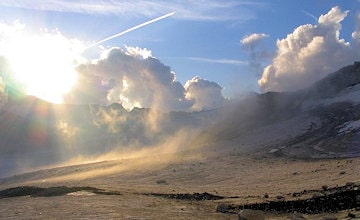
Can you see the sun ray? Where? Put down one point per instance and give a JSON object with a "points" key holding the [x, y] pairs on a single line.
{"points": [[44, 64]]}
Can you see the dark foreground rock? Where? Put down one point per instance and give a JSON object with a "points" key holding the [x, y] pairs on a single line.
{"points": [[332, 200], [20, 191], [248, 214], [34, 191], [194, 196]]}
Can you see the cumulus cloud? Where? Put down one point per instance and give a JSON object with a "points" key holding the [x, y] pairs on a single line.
{"points": [[129, 76], [308, 54], [206, 94], [134, 78], [356, 34]]}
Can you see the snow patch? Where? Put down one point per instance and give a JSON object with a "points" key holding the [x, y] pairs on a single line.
{"points": [[349, 127], [274, 150], [351, 94], [81, 193]]}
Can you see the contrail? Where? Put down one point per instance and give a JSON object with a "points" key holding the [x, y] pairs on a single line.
{"points": [[311, 15], [131, 29]]}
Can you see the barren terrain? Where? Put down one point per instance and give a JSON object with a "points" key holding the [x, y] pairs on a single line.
{"points": [[273, 155], [241, 178]]}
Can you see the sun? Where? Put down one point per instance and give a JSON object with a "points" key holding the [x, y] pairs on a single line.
{"points": [[45, 65]]}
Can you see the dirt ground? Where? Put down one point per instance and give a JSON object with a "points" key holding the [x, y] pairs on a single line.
{"points": [[241, 178]]}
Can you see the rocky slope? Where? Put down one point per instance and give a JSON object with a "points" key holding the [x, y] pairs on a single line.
{"points": [[322, 121]]}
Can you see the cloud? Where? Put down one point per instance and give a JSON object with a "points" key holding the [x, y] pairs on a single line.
{"points": [[219, 61], [134, 78], [252, 40], [309, 54], [211, 10], [130, 76], [356, 34], [253, 45], [207, 94]]}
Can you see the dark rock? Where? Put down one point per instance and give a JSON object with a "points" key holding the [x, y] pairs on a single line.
{"points": [[280, 197], [350, 184], [20, 191], [297, 216], [162, 182], [316, 195], [248, 214], [194, 196], [329, 218], [51, 191], [336, 199], [357, 199], [266, 195], [351, 215], [296, 194], [223, 208]]}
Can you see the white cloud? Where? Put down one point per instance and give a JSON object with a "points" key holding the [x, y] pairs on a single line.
{"points": [[356, 34], [130, 76], [207, 94], [188, 10], [138, 52], [219, 61], [252, 40], [134, 78], [308, 54]]}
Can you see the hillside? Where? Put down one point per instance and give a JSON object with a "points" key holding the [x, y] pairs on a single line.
{"points": [[36, 133], [312, 122], [321, 121]]}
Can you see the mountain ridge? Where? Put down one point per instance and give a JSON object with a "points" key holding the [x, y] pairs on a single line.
{"points": [[59, 132]]}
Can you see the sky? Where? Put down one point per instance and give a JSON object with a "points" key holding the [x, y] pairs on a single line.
{"points": [[201, 55]]}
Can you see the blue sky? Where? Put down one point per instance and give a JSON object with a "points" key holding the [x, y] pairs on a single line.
{"points": [[202, 39]]}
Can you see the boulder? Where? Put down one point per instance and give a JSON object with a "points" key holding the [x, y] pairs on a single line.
{"points": [[249, 214]]}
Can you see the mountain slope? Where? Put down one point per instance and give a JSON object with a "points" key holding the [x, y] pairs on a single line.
{"points": [[320, 121], [36, 133]]}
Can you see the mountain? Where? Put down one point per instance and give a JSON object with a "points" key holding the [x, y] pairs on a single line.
{"points": [[36, 133], [321, 121]]}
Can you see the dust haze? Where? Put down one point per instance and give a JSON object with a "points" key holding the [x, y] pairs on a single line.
{"points": [[76, 134]]}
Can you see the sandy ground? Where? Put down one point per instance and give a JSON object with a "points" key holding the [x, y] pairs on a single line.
{"points": [[228, 173], [242, 168]]}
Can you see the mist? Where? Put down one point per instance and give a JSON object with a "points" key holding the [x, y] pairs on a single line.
{"points": [[62, 135]]}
